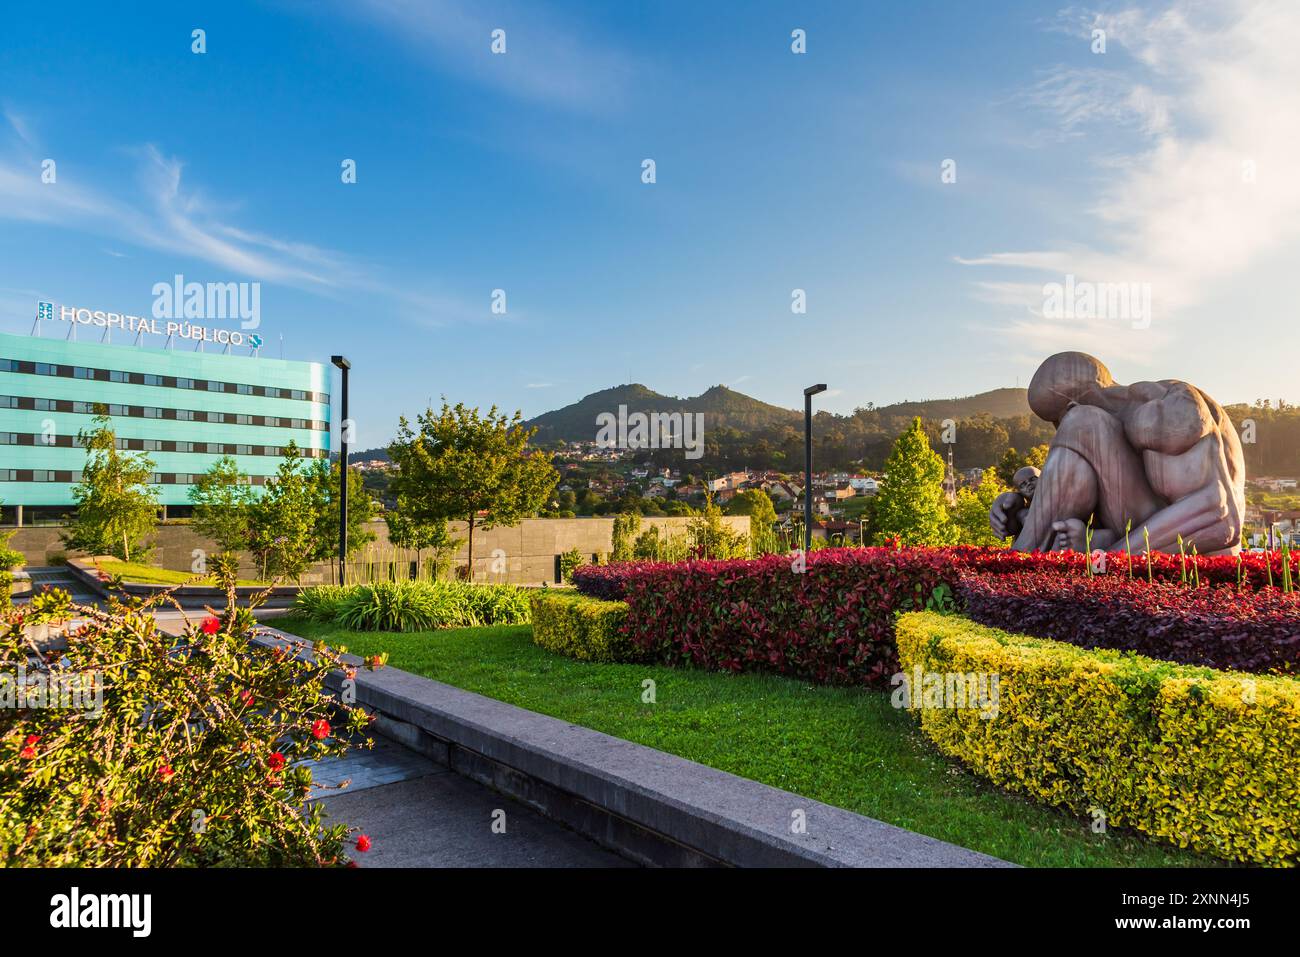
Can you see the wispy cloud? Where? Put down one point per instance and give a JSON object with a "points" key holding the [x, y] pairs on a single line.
{"points": [[1212, 94], [547, 60]]}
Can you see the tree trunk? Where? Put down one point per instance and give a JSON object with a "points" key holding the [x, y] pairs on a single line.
{"points": [[470, 576]]}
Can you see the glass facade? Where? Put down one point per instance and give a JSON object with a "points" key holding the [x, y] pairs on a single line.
{"points": [[183, 409]]}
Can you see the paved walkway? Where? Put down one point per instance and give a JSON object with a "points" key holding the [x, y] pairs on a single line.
{"points": [[419, 814]]}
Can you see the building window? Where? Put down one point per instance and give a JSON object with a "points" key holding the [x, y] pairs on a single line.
{"points": [[216, 386], [152, 413], [153, 379], [298, 394], [244, 389], [155, 478], [115, 409], [8, 402], [115, 376], [81, 372], [243, 450], [184, 383], [153, 445], [216, 417], [45, 405], [9, 475], [272, 392], [8, 438], [185, 415], [44, 475], [45, 368], [242, 419], [216, 448], [8, 365]]}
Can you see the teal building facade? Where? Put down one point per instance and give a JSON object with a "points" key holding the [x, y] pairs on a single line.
{"points": [[184, 409]]}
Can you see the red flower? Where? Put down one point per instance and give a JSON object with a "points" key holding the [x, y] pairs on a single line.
{"points": [[276, 761], [165, 773], [244, 697], [27, 753], [32, 739], [320, 730], [363, 842], [210, 626]]}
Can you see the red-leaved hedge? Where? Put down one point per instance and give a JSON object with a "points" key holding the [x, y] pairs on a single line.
{"points": [[1215, 626], [1252, 569], [832, 623]]}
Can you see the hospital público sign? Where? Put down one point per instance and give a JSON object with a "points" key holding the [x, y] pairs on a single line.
{"points": [[147, 325]]}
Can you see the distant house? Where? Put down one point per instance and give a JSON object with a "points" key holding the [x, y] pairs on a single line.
{"points": [[864, 485], [655, 491], [640, 473], [732, 481], [781, 491], [840, 493], [689, 491]]}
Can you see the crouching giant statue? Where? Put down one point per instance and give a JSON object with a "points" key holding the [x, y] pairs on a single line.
{"points": [[1160, 455]]}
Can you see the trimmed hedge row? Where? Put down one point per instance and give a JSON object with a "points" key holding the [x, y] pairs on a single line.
{"points": [[830, 620], [1217, 627], [580, 627], [1203, 759]]}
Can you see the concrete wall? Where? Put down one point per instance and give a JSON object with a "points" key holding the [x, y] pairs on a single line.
{"points": [[522, 554]]}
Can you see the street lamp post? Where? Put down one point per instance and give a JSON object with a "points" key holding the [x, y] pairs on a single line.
{"points": [[344, 365], [808, 393]]}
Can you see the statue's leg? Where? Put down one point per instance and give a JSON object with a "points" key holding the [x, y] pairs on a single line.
{"points": [[1091, 472]]}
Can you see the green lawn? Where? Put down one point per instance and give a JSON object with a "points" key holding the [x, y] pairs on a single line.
{"points": [[846, 747], [152, 575]]}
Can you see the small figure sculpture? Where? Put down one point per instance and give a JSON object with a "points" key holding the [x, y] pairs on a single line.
{"points": [[1007, 516]]}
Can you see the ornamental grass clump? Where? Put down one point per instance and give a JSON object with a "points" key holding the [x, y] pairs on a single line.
{"points": [[416, 605], [133, 748]]}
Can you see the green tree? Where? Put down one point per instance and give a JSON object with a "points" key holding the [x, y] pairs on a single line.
{"points": [[970, 515], [404, 531], [626, 527], [223, 500], [285, 519], [116, 505], [323, 478], [459, 463], [755, 503], [911, 504]]}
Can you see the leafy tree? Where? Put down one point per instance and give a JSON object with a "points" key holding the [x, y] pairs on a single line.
{"points": [[911, 504], [755, 503], [970, 515], [223, 500], [116, 505], [324, 480], [626, 527], [710, 537], [459, 463], [285, 519], [404, 531]]}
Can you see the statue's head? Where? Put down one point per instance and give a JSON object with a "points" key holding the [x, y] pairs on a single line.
{"points": [[1026, 480], [1064, 380]]}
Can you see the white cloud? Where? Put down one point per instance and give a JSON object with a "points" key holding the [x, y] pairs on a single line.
{"points": [[545, 61], [1212, 92]]}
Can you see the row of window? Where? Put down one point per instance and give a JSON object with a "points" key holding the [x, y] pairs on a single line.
{"points": [[156, 445], [153, 412], [70, 477], [164, 381]]}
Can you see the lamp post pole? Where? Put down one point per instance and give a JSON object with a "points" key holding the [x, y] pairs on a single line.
{"points": [[808, 393], [344, 366]]}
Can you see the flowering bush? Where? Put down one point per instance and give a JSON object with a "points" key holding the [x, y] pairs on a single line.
{"points": [[131, 747], [828, 617], [1216, 626]]}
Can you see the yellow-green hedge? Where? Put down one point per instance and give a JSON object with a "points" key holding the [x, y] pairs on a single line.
{"points": [[1200, 758], [580, 627]]}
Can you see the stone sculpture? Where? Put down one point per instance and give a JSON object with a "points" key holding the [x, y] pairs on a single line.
{"points": [[1155, 456]]}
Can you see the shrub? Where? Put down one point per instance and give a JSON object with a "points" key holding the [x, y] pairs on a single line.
{"points": [[607, 581], [418, 605], [1199, 758], [322, 602], [1219, 627], [580, 627], [10, 559], [196, 757], [570, 560], [832, 623], [6, 584]]}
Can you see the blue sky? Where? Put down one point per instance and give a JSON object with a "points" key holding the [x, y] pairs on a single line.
{"points": [[775, 172]]}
